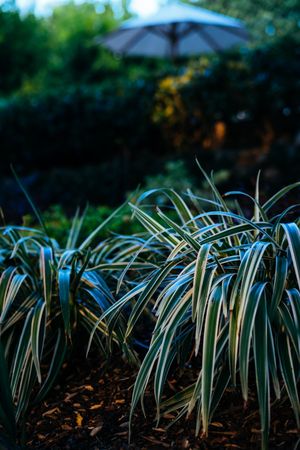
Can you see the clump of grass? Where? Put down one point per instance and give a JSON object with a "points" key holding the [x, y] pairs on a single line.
{"points": [[48, 295], [224, 291]]}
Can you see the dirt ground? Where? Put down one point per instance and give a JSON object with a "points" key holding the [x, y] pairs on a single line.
{"points": [[89, 409]]}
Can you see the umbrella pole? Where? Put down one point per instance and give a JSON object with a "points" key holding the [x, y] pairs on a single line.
{"points": [[174, 53], [174, 41]]}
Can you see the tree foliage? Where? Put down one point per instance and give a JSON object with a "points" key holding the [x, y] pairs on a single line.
{"points": [[23, 48], [72, 29], [265, 18]]}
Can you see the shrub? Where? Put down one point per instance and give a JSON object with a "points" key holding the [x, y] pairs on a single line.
{"points": [[76, 126], [240, 100], [48, 294], [59, 223], [225, 293]]}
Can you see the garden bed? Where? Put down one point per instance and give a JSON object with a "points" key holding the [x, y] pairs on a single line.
{"points": [[88, 410], [204, 301]]}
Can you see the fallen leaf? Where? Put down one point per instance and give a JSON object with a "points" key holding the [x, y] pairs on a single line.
{"points": [[79, 419], [185, 443], [98, 406], [169, 416], [51, 411], [232, 446], [41, 437], [217, 424], [224, 433], [69, 396], [96, 430], [89, 388]]}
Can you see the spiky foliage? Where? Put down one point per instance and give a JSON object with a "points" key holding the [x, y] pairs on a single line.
{"points": [[47, 295], [226, 294]]}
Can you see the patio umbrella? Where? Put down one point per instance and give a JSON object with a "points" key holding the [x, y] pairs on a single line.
{"points": [[176, 30]]}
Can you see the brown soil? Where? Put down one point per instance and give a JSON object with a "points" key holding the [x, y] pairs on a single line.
{"points": [[89, 409]]}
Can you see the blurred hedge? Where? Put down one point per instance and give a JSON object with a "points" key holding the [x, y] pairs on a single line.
{"points": [[235, 101], [72, 127], [234, 111], [78, 145]]}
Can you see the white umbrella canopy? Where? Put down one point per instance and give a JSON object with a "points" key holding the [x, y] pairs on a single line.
{"points": [[176, 30]]}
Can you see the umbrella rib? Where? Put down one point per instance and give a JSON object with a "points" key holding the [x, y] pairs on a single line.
{"points": [[208, 39], [163, 34], [240, 32], [166, 34], [191, 27], [134, 40]]}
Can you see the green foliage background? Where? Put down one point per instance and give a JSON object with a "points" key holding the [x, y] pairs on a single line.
{"points": [[71, 113], [38, 52], [264, 18]]}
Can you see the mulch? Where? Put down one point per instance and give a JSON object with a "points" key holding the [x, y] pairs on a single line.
{"points": [[89, 409]]}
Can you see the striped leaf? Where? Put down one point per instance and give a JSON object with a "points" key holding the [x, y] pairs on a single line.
{"points": [[65, 298], [260, 347], [289, 374], [293, 237], [247, 326], [209, 354], [46, 260], [7, 409], [38, 330]]}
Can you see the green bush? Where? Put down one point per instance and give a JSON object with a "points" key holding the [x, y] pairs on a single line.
{"points": [[23, 48], [224, 295], [253, 94], [59, 223]]}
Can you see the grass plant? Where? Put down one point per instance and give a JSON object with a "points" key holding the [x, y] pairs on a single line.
{"points": [[224, 293], [48, 296]]}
